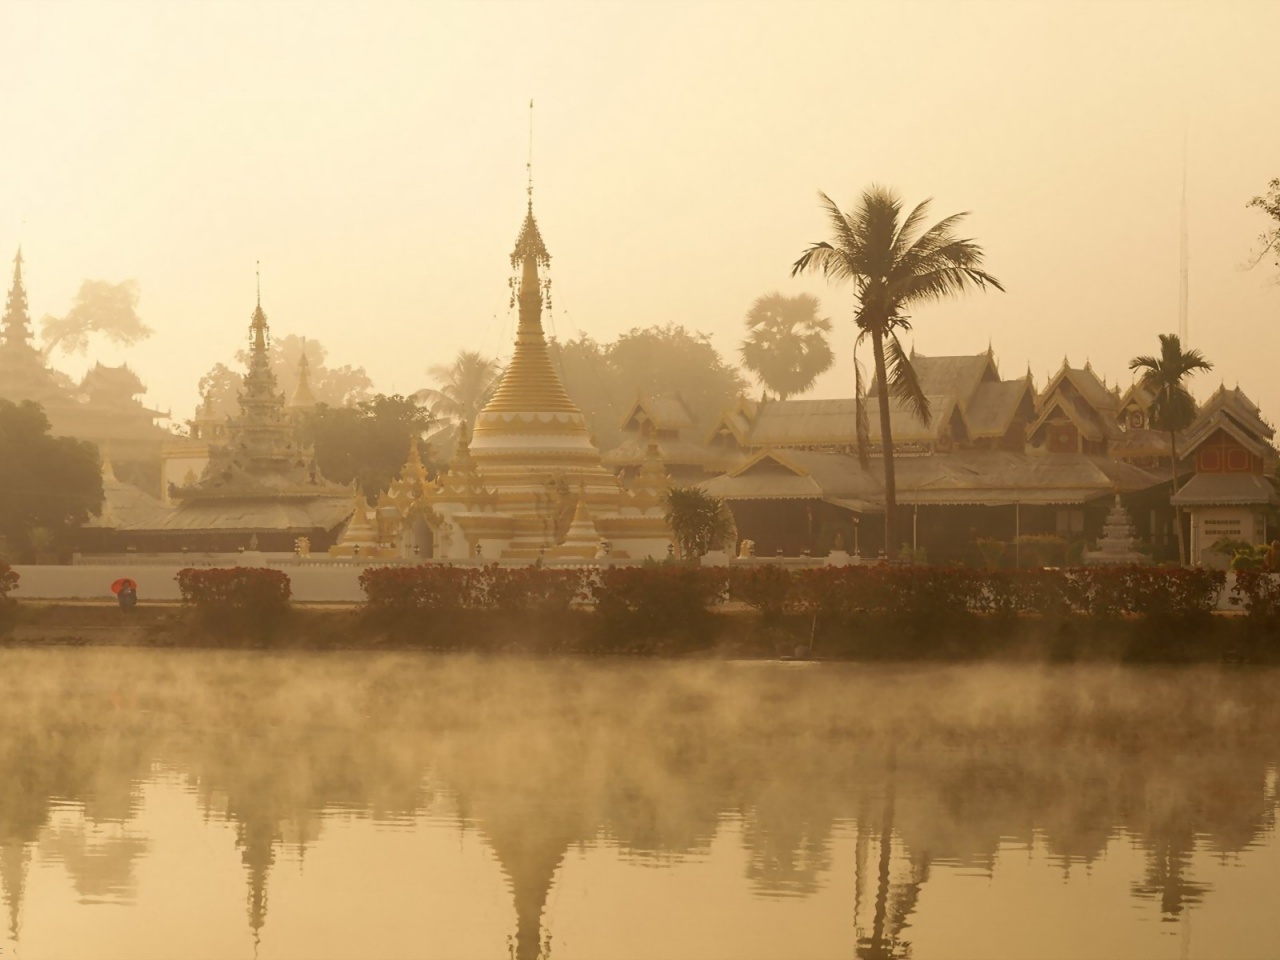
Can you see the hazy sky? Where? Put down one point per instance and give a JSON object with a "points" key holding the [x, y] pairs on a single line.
{"points": [[372, 156]]}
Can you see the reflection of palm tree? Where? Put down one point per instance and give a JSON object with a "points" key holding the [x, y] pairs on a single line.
{"points": [[786, 346], [891, 907]]}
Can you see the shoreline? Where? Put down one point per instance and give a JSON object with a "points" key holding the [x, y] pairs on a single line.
{"points": [[1222, 637]]}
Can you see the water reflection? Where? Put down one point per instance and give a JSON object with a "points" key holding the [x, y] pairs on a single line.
{"points": [[922, 769]]}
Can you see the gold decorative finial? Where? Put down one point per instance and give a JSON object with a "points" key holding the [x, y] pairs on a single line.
{"points": [[257, 271], [528, 167]]}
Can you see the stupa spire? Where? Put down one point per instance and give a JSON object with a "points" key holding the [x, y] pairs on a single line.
{"points": [[530, 383], [17, 322]]}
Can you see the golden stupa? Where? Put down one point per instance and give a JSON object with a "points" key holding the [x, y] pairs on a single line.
{"points": [[528, 483]]}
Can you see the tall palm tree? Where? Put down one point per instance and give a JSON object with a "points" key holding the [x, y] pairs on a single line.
{"points": [[1173, 408], [893, 264], [786, 346], [463, 387]]}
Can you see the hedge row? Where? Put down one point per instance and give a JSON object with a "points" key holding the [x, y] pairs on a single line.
{"points": [[928, 593], [251, 600]]}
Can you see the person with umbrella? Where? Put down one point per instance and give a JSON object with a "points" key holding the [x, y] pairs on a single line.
{"points": [[126, 592]]}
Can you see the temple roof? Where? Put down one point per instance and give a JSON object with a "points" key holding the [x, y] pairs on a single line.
{"points": [[124, 504], [665, 413], [1226, 489], [994, 405], [970, 477]]}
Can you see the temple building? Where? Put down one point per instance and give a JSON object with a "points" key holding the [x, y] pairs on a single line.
{"points": [[667, 424], [1231, 492], [996, 459], [528, 483], [102, 408], [260, 488]]}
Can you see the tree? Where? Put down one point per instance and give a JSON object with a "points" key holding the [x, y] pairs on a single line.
{"points": [[462, 387], [48, 485], [604, 379], [786, 346], [1173, 408], [893, 265], [698, 521], [100, 307], [1269, 203], [368, 442]]}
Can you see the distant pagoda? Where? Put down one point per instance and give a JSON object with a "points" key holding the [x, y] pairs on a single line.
{"points": [[261, 484]]}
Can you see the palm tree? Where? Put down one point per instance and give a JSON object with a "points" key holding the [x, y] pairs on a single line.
{"points": [[893, 265], [786, 347], [464, 387], [1173, 408], [698, 521]]}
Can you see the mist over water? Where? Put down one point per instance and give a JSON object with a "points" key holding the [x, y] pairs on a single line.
{"points": [[199, 803]]}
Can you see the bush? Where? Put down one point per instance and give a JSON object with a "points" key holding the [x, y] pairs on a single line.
{"points": [[249, 600], [769, 588], [647, 609], [1259, 593], [8, 606], [450, 606]]}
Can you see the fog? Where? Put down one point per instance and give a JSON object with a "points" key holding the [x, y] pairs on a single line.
{"points": [[542, 762], [372, 157]]}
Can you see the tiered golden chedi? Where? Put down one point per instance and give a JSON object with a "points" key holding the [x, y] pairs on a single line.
{"points": [[528, 482]]}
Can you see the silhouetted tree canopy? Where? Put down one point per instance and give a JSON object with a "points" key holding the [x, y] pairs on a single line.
{"points": [[1269, 203], [368, 442], [48, 485], [604, 379], [786, 346], [100, 307]]}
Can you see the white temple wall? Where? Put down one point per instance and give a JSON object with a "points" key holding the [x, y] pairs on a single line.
{"points": [[1211, 524]]}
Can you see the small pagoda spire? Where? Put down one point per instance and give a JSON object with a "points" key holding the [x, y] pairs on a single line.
{"points": [[303, 397], [17, 322]]}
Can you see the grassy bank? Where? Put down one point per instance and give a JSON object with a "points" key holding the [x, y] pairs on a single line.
{"points": [[734, 632]]}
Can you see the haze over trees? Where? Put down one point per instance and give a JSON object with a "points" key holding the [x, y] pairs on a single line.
{"points": [[335, 386], [1173, 408], [49, 485], [101, 308], [368, 442], [786, 345], [462, 387], [894, 263], [604, 378]]}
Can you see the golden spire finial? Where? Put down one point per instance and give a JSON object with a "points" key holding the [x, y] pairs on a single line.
{"points": [[257, 272], [528, 166]]}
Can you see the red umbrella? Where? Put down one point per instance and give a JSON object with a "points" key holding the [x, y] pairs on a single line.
{"points": [[122, 583]]}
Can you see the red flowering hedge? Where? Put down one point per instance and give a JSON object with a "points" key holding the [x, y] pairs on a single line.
{"points": [[642, 608], [252, 599], [928, 593], [444, 588], [1259, 593]]}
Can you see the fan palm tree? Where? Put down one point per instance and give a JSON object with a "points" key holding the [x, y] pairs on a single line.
{"points": [[463, 387], [893, 264], [1172, 408], [786, 346]]}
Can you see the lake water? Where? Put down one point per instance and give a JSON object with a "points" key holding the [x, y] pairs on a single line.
{"points": [[212, 804]]}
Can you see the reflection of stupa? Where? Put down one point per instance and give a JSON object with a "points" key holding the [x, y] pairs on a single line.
{"points": [[14, 858], [1119, 541], [530, 465]]}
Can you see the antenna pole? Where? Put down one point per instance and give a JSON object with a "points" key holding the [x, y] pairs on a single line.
{"points": [[1184, 258]]}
